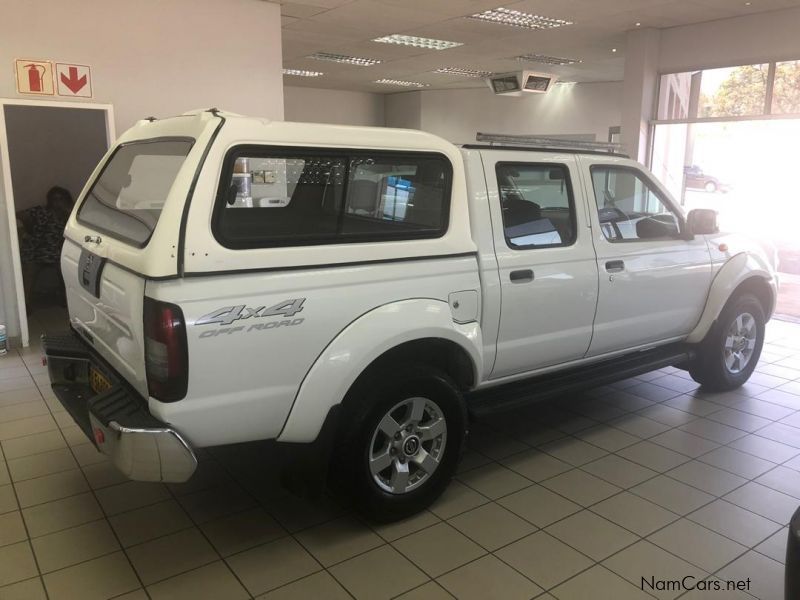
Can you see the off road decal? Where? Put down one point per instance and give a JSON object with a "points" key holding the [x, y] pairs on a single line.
{"points": [[229, 315]]}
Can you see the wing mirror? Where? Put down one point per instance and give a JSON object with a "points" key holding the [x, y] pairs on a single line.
{"points": [[702, 221]]}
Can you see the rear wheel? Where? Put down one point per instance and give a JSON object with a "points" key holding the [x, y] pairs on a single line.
{"points": [[403, 434], [731, 350], [711, 187]]}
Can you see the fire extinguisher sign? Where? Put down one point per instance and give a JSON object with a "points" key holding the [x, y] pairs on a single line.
{"points": [[34, 77]]}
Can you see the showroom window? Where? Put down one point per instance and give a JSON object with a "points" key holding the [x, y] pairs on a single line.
{"points": [[741, 91], [629, 208], [270, 197], [537, 205]]}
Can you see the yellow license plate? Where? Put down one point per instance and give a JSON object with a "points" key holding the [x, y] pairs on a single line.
{"points": [[98, 382]]}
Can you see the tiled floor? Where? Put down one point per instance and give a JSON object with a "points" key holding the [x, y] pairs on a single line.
{"points": [[575, 499]]}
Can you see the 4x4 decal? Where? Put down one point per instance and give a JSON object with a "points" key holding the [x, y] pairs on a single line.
{"points": [[229, 314]]}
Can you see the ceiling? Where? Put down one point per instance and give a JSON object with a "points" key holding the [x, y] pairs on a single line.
{"points": [[348, 27]]}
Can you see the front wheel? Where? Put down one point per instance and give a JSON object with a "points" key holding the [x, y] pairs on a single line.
{"points": [[731, 350], [405, 429], [711, 187]]}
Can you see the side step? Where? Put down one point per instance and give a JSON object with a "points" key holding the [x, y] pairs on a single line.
{"points": [[545, 387]]}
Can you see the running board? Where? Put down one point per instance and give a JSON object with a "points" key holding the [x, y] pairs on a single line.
{"points": [[545, 387]]}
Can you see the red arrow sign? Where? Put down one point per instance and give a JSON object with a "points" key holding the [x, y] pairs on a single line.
{"points": [[73, 82]]}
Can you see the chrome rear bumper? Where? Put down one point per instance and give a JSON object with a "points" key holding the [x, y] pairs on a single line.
{"points": [[116, 421]]}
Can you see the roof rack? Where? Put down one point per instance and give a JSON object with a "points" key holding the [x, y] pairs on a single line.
{"points": [[535, 141]]}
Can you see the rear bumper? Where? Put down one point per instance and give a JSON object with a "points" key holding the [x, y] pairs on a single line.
{"points": [[116, 421]]}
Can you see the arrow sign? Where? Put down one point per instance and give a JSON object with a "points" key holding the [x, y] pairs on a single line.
{"points": [[74, 80]]}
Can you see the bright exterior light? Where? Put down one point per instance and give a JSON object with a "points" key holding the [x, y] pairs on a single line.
{"points": [[516, 18], [344, 59], [548, 60], [401, 83], [613, 49], [302, 73], [462, 72], [417, 42]]}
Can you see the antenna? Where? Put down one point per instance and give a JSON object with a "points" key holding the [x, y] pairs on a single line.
{"points": [[535, 141]]}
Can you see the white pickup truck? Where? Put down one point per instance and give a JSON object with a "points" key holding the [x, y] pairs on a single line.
{"points": [[363, 292]]}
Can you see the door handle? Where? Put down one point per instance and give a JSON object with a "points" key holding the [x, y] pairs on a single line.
{"points": [[522, 276], [615, 266]]}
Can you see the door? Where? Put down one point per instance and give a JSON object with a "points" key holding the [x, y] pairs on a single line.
{"points": [[33, 160], [546, 261], [653, 280]]}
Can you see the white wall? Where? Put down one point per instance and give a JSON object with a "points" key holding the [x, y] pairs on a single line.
{"points": [[404, 110], [740, 40], [152, 57], [456, 115], [340, 107]]}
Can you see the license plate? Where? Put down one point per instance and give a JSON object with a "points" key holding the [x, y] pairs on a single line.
{"points": [[98, 382]]}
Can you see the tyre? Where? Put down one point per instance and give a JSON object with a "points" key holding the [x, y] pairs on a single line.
{"points": [[710, 187], [729, 353], [403, 431]]}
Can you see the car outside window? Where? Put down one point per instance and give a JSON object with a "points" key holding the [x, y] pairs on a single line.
{"points": [[630, 208], [272, 197], [537, 205]]}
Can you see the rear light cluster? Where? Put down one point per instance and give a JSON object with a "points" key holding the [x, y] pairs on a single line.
{"points": [[166, 355]]}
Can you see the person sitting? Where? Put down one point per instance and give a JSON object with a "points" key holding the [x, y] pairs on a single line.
{"points": [[41, 233]]}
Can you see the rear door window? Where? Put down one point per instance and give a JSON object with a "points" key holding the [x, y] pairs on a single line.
{"points": [[537, 205], [125, 201]]}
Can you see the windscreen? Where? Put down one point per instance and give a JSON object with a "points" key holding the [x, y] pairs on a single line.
{"points": [[126, 200]]}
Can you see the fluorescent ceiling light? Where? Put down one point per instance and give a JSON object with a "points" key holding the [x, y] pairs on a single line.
{"points": [[462, 72], [401, 83], [417, 42], [302, 73], [516, 18], [342, 58], [548, 60]]}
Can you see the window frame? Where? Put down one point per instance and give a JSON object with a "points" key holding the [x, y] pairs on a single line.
{"points": [[347, 154], [115, 234], [650, 182], [570, 199]]}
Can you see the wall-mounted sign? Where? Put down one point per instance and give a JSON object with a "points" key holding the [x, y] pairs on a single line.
{"points": [[34, 77], [73, 80]]}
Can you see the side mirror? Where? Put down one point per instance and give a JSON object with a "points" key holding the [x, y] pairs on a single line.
{"points": [[702, 221]]}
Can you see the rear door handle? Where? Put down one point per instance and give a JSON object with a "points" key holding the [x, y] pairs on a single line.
{"points": [[615, 266], [522, 276]]}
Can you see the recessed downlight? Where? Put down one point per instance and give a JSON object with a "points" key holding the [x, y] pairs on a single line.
{"points": [[417, 42], [344, 59], [463, 72], [517, 18]]}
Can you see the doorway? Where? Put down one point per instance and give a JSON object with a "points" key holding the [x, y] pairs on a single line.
{"points": [[43, 145]]}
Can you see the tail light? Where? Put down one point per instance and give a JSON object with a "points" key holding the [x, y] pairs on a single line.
{"points": [[166, 355]]}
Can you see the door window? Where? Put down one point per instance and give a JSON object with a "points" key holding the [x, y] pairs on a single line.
{"points": [[537, 205], [630, 208]]}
